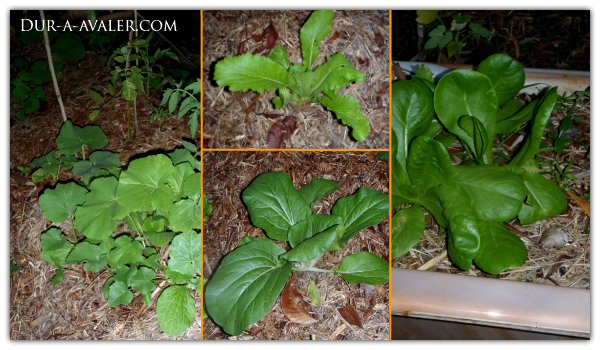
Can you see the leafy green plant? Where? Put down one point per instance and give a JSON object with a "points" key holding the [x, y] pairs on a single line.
{"points": [[70, 141], [187, 100], [158, 196], [250, 278], [441, 37], [14, 268], [470, 200], [26, 88], [299, 82]]}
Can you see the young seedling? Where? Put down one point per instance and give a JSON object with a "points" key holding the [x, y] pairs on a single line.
{"points": [[300, 82], [250, 278]]}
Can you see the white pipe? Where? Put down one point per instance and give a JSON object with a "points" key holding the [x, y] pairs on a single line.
{"points": [[567, 80], [503, 303]]}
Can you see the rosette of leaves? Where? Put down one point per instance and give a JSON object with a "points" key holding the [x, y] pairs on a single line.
{"points": [[470, 200], [158, 196], [188, 101], [26, 87], [250, 278], [300, 82]]}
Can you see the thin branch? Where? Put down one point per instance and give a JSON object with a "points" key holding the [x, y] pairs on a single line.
{"points": [[51, 65]]}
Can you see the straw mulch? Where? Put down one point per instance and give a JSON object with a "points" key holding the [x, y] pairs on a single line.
{"points": [[567, 266], [227, 174], [76, 308], [363, 39]]}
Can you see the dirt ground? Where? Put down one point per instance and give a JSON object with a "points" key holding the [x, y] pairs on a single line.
{"points": [[227, 173], [362, 36], [76, 308]]}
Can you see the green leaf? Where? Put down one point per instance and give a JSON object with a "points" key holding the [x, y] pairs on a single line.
{"points": [[179, 156], [175, 310], [426, 16], [118, 294], [24, 169], [69, 47], [58, 277], [206, 209], [176, 179], [84, 251], [334, 74], [544, 199], [94, 115], [542, 115], [98, 160], [306, 229], [128, 90], [314, 293], [438, 37], [159, 239], [60, 203], [280, 55], [96, 265], [348, 111], [96, 96], [127, 251], [500, 249], [364, 267], [185, 253], [408, 226], [185, 215], [106, 286], [72, 138], [176, 277], [55, 246], [189, 146], [454, 47], [423, 72], [260, 275], [507, 124], [142, 280], [173, 100], [144, 186], [365, 208], [478, 31], [96, 217], [274, 204], [311, 248], [312, 33], [192, 188], [317, 189], [507, 75], [250, 72], [466, 93], [32, 103], [412, 112]]}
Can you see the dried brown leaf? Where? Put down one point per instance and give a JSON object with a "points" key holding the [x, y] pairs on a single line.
{"points": [[282, 129], [292, 305], [332, 39], [350, 314]]}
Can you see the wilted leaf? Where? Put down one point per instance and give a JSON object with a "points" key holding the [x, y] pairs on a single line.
{"points": [[281, 130], [292, 305], [350, 314]]}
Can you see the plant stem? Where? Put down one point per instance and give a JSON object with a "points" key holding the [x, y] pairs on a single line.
{"points": [[83, 151], [314, 269], [73, 229], [128, 122]]}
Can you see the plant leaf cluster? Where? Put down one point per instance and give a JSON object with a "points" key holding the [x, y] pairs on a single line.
{"points": [[158, 196], [300, 82], [250, 278], [473, 199]]}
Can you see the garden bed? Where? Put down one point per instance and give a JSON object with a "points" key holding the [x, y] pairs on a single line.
{"points": [[227, 174], [76, 308], [231, 122]]}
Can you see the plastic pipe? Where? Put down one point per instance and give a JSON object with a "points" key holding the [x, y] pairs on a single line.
{"points": [[503, 303], [567, 81]]}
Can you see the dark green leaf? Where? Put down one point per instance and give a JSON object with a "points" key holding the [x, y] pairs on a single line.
{"points": [[60, 203], [365, 208], [364, 267], [317, 189], [175, 310]]}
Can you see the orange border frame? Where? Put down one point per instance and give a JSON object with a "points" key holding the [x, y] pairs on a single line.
{"points": [[202, 149]]}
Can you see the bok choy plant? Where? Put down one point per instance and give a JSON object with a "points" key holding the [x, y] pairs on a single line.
{"points": [[470, 200], [300, 82], [249, 279]]}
